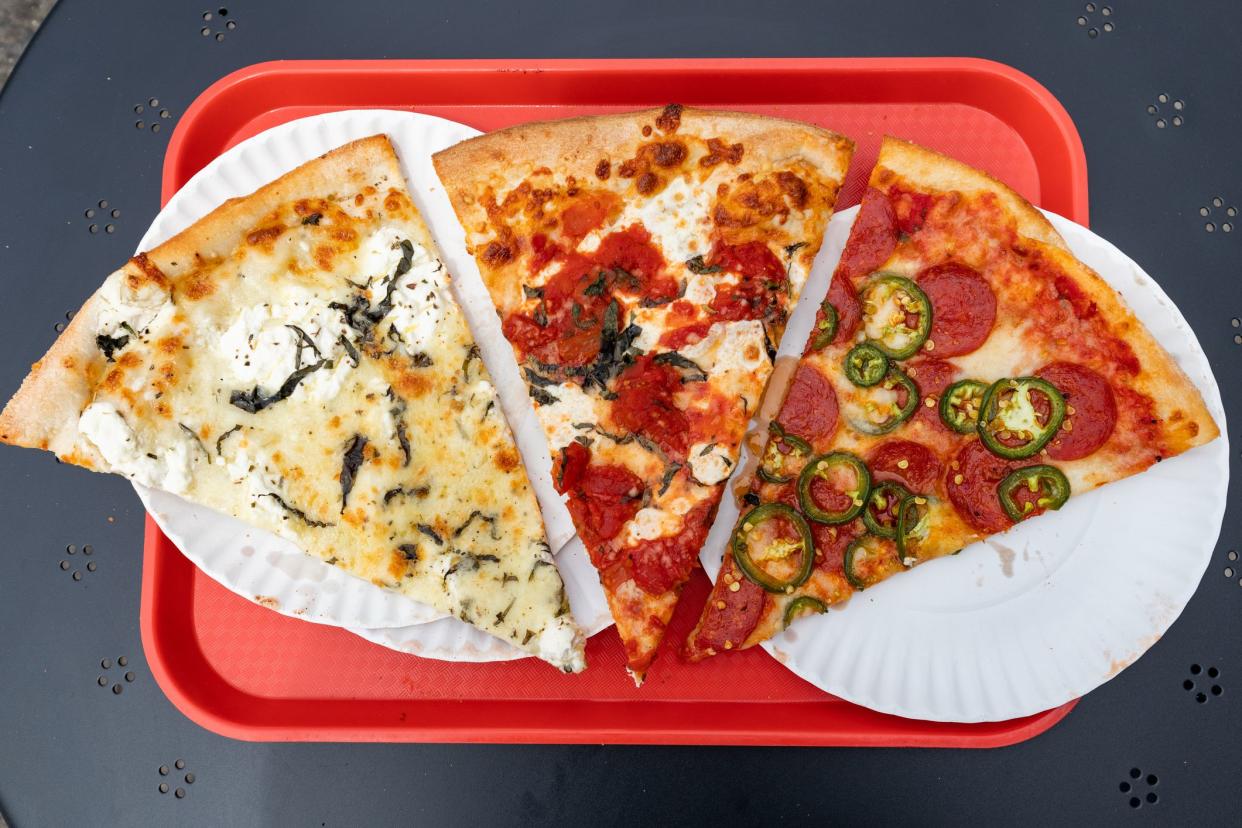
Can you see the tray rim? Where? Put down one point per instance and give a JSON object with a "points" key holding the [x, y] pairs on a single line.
{"points": [[399, 720]]}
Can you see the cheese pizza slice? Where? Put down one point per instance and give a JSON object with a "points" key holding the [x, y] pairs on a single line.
{"points": [[966, 372], [296, 359], [643, 266]]}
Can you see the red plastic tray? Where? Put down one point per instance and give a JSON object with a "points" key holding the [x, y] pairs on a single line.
{"points": [[245, 672]]}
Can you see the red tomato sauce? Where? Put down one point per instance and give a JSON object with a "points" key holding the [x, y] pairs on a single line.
{"points": [[661, 564], [644, 405], [566, 326], [755, 295], [602, 498]]}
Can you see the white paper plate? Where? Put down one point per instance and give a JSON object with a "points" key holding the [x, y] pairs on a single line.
{"points": [[1047, 611], [259, 565]]}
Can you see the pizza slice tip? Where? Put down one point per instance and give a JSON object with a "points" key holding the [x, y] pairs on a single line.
{"points": [[296, 359]]}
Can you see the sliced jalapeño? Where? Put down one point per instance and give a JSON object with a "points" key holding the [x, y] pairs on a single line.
{"points": [[782, 455], [883, 408], [757, 527], [959, 405], [897, 315], [826, 329], [848, 483], [865, 365], [1019, 415], [883, 504], [1031, 490], [801, 605]]}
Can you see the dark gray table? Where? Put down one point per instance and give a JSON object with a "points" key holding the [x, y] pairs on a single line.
{"points": [[73, 752]]}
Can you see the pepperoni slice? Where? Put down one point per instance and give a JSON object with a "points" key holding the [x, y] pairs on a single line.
{"points": [[911, 464], [975, 498], [731, 623], [644, 405], [830, 543], [872, 238], [910, 209], [662, 564], [810, 407], [849, 310], [963, 308], [932, 376], [603, 499], [1095, 410]]}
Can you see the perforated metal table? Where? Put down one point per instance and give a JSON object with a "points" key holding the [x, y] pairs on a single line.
{"points": [[87, 738]]}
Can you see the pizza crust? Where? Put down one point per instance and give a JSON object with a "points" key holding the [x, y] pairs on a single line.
{"points": [[576, 146], [933, 171]]}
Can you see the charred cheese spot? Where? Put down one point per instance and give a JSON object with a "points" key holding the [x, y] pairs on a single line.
{"points": [[718, 151], [196, 285], [603, 169], [147, 273], [497, 254], [168, 344], [507, 460], [324, 254], [395, 202], [670, 119], [770, 199], [265, 237], [412, 384], [668, 153]]}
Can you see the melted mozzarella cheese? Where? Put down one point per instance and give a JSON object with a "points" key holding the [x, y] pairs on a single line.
{"points": [[107, 430], [701, 287], [651, 523], [121, 305], [654, 522], [1007, 352], [730, 346], [710, 463], [573, 405], [418, 302], [676, 217], [590, 242], [378, 255], [262, 349], [560, 643]]}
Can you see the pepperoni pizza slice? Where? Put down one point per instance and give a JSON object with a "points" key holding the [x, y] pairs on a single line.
{"points": [[643, 266], [966, 372]]}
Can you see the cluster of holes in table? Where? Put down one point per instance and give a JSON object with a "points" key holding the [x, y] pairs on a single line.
{"points": [[104, 681], [1232, 555], [1190, 685], [180, 766], [72, 549], [221, 15], [1178, 107], [101, 212], [1127, 787], [1226, 224], [157, 113], [1093, 31]]}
